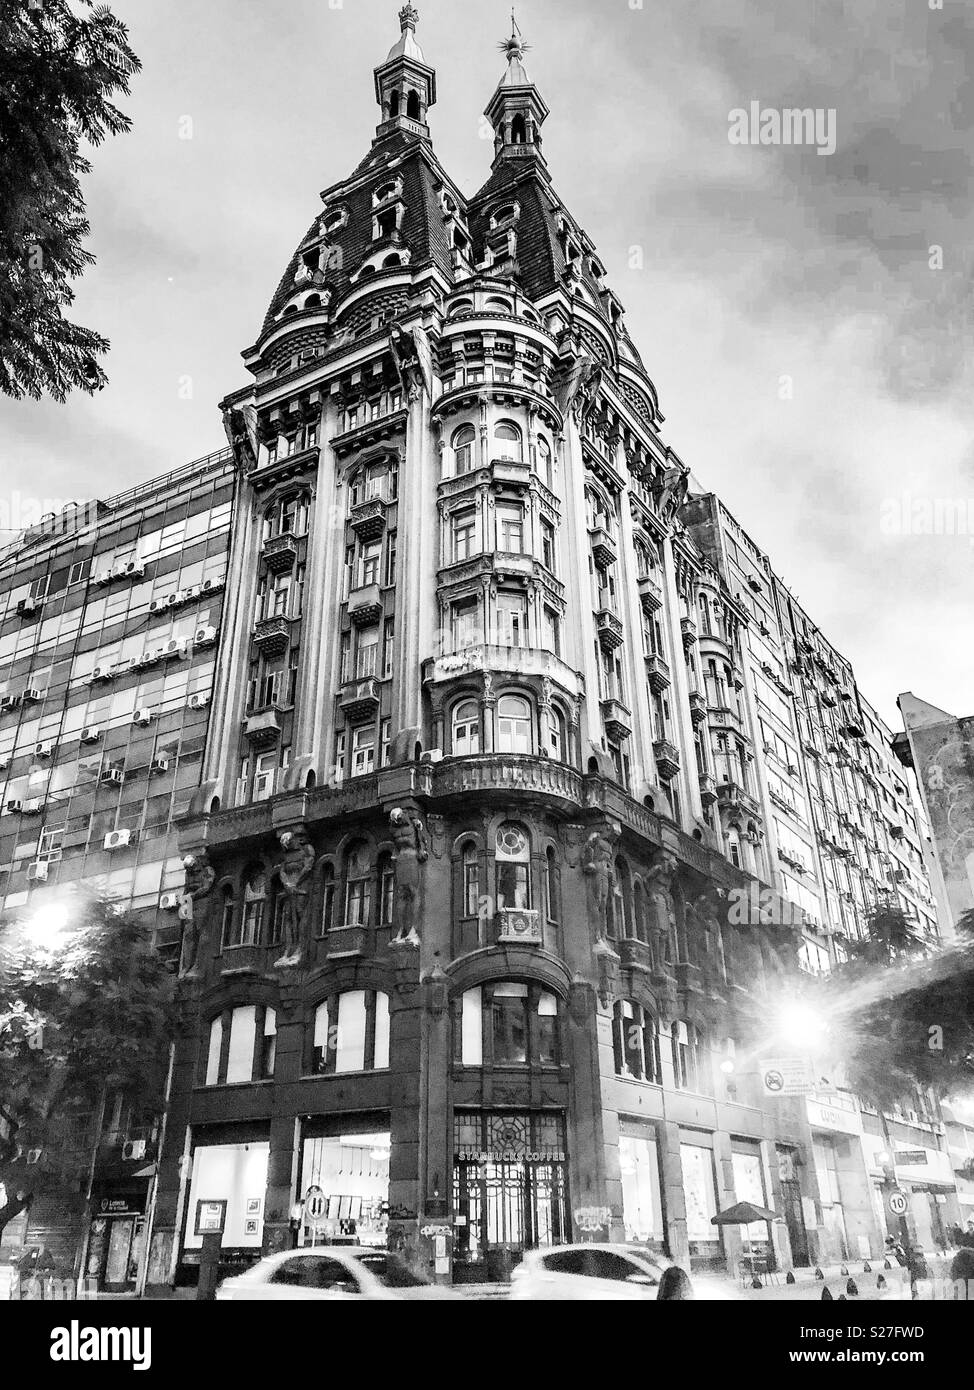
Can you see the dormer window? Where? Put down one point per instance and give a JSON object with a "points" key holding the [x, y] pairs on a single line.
{"points": [[507, 213], [334, 219], [390, 189], [388, 221]]}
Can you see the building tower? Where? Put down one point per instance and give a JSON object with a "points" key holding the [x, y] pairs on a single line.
{"points": [[457, 863]]}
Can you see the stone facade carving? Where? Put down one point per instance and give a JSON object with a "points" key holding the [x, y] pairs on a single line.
{"points": [[295, 879], [598, 865], [200, 879], [411, 852], [659, 887]]}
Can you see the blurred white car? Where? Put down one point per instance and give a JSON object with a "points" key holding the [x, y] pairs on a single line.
{"points": [[594, 1271], [331, 1272]]}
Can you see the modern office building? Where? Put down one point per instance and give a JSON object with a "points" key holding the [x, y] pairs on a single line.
{"points": [[109, 618]]}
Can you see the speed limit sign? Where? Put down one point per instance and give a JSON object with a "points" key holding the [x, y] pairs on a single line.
{"points": [[897, 1203]]}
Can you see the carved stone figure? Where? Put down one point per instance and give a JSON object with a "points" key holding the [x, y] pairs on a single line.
{"points": [[704, 922], [411, 852], [294, 876], [659, 881], [235, 424], [670, 491], [200, 879], [587, 385], [598, 865]]}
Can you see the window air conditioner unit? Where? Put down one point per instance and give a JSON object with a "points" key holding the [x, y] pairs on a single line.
{"points": [[37, 872], [135, 569], [192, 592], [103, 577], [32, 807], [113, 774], [4, 764], [159, 765], [91, 735], [32, 695], [6, 703], [157, 605], [43, 749], [433, 755], [178, 597], [210, 586], [176, 646], [133, 1149], [117, 839], [117, 571], [142, 717], [199, 701], [14, 806], [204, 636], [169, 902], [149, 658], [101, 673], [26, 606]]}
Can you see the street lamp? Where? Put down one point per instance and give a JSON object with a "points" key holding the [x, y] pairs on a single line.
{"points": [[800, 1025], [44, 928]]}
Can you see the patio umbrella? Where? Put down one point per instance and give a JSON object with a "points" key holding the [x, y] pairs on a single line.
{"points": [[742, 1214]]}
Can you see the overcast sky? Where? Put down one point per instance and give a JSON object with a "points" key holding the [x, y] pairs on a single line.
{"points": [[757, 263]]}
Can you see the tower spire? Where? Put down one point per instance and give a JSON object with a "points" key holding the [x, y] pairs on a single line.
{"points": [[405, 84], [516, 110]]}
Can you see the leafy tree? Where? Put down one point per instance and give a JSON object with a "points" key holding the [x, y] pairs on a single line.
{"points": [[86, 1010], [902, 1015], [58, 72]]}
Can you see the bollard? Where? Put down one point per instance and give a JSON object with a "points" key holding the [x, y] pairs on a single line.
{"points": [[209, 1267]]}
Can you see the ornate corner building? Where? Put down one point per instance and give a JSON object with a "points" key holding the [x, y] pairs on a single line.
{"points": [[481, 777]]}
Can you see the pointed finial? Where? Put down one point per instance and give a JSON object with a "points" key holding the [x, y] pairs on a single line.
{"points": [[514, 47], [408, 17]]}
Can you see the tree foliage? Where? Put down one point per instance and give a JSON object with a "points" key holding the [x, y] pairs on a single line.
{"points": [[59, 70], [90, 1016], [903, 1016]]}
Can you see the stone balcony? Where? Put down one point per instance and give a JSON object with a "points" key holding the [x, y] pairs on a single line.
{"points": [[650, 593], [365, 605], [359, 698], [698, 707], [518, 925], [688, 631], [617, 719], [503, 660], [603, 547], [667, 757], [248, 960], [272, 636], [658, 672], [280, 553], [608, 625], [635, 954], [262, 729], [708, 789], [368, 519], [732, 797], [510, 472]]}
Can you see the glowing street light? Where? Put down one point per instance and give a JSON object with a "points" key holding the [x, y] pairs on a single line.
{"points": [[46, 925], [800, 1025]]}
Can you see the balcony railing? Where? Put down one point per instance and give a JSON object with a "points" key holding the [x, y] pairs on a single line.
{"points": [[609, 627], [603, 547], [280, 553], [272, 636], [360, 698], [698, 707], [667, 757], [365, 605], [708, 789], [518, 925], [658, 672], [616, 718], [650, 593], [368, 519], [688, 629], [247, 960], [263, 729]]}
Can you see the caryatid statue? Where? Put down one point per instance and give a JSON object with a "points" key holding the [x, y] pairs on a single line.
{"points": [[659, 880], [411, 852], [294, 875], [200, 878], [598, 865]]}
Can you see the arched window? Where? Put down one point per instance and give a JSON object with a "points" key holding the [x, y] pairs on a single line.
{"points": [[465, 738], [635, 1042], [555, 734], [255, 895], [287, 517], [496, 303], [412, 107], [508, 1023], [545, 465], [357, 887], [313, 301], [552, 891], [392, 259], [393, 105], [351, 1032], [463, 448], [514, 725], [734, 848], [470, 880], [513, 866], [519, 133], [460, 306], [507, 441], [639, 911], [327, 899]]}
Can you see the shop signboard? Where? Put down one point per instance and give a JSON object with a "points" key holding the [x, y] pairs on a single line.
{"points": [[908, 1157], [833, 1118]]}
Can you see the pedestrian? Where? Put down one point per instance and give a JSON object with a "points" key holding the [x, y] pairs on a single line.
{"points": [[895, 1251]]}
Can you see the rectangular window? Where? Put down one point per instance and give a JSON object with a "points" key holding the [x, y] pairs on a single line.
{"points": [[390, 570], [264, 772], [464, 623], [367, 652], [213, 1056], [243, 1040], [350, 1052], [548, 545], [512, 620], [363, 750], [386, 742], [369, 563], [80, 571], [510, 528], [463, 527], [388, 640]]}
